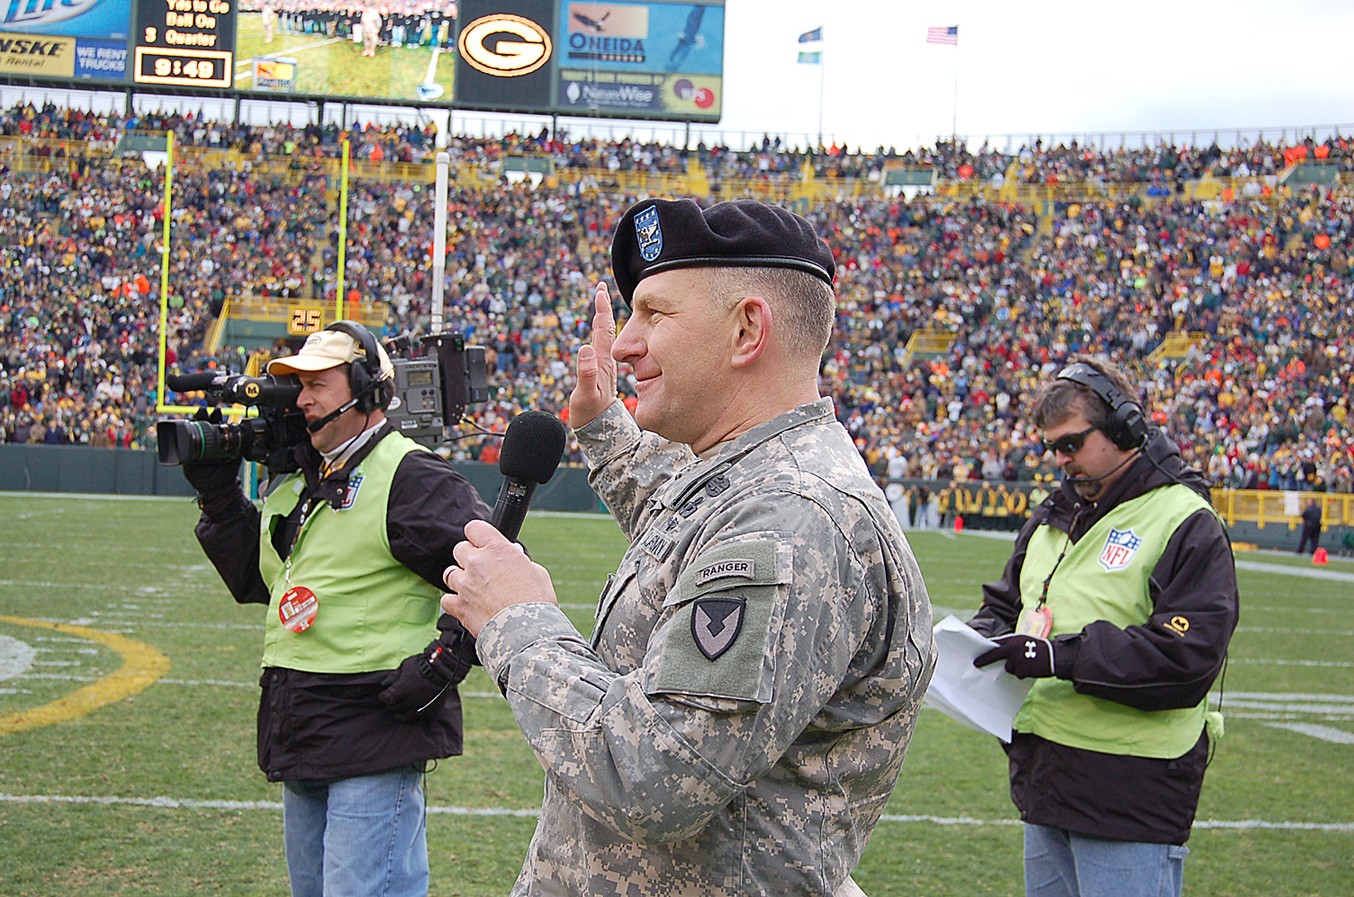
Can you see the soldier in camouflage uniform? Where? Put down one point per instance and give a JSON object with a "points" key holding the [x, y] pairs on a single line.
{"points": [[737, 722]]}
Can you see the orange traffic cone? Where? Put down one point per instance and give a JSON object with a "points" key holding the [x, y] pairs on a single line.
{"points": [[958, 523], [1319, 557]]}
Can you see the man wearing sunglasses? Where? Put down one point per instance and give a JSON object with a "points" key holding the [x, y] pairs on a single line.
{"points": [[1119, 601]]}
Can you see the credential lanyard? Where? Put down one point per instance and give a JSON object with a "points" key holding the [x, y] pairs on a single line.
{"points": [[308, 510]]}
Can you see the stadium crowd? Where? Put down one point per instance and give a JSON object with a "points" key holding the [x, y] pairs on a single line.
{"points": [[1260, 401], [1164, 164]]}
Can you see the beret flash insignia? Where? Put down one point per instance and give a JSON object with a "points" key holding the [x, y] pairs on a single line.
{"points": [[649, 234]]}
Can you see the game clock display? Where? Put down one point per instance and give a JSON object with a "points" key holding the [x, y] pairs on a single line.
{"points": [[185, 43], [183, 68]]}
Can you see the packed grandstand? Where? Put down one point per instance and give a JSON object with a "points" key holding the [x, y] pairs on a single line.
{"points": [[1216, 275]]}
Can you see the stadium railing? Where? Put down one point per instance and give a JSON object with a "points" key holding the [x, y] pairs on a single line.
{"points": [[30, 155], [278, 310], [1272, 507], [1255, 517]]}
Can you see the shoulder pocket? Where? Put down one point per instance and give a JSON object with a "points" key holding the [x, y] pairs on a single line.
{"points": [[616, 583], [721, 623]]}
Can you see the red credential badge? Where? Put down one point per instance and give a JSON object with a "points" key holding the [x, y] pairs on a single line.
{"points": [[298, 608]]}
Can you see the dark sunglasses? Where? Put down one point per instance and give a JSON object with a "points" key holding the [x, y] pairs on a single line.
{"points": [[1069, 444]]}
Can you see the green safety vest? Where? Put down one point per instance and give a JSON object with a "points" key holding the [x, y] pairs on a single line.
{"points": [[1104, 576], [373, 611]]}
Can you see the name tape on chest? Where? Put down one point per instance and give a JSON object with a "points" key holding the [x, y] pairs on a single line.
{"points": [[657, 545]]}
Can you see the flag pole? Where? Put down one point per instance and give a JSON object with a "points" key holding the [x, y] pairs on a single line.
{"points": [[949, 34], [816, 57], [954, 101], [822, 80]]}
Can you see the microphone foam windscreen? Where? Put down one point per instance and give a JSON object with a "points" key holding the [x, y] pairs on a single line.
{"points": [[190, 382], [532, 447]]}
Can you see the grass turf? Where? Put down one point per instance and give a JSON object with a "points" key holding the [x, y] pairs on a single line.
{"points": [[158, 793]]}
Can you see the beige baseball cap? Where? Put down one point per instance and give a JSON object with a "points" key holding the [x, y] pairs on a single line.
{"points": [[325, 349]]}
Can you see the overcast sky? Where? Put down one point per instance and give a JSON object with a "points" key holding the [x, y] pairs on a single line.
{"points": [[1041, 67], [1045, 67]]}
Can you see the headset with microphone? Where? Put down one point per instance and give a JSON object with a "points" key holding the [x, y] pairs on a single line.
{"points": [[371, 389], [1127, 425]]}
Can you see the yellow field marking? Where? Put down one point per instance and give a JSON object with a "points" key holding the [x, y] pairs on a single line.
{"points": [[141, 666]]}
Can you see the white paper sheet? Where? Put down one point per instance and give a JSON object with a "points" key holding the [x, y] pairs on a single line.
{"points": [[984, 699]]}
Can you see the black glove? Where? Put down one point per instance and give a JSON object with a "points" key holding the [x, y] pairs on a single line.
{"points": [[419, 686], [1026, 656], [212, 478]]}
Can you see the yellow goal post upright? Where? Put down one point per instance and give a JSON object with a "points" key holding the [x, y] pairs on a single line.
{"points": [[163, 407], [300, 323], [342, 231]]}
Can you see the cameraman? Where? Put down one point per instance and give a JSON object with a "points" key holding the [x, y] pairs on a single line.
{"points": [[348, 555]]}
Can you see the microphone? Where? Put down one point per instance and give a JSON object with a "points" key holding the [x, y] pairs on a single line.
{"points": [[532, 448], [1104, 476], [319, 424], [193, 382]]}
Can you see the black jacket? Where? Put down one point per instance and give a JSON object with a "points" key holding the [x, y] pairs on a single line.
{"points": [[322, 726], [1150, 666]]}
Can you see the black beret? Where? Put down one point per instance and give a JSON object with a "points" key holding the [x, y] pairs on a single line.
{"points": [[659, 234]]}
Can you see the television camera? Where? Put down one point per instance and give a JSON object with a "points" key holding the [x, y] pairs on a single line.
{"points": [[433, 387]]}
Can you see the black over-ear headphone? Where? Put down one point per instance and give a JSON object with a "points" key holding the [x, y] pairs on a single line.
{"points": [[369, 388], [1128, 425]]}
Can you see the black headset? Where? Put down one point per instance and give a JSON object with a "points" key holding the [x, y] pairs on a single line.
{"points": [[1128, 425], [370, 389]]}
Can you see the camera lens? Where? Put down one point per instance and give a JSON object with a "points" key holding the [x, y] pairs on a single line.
{"points": [[195, 441]]}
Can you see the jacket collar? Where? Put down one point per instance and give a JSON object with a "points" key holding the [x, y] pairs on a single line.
{"points": [[334, 487], [706, 473]]}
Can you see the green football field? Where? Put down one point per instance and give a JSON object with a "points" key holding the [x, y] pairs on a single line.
{"points": [[336, 66], [128, 690]]}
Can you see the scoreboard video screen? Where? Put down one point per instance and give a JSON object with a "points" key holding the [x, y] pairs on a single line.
{"points": [[654, 59]]}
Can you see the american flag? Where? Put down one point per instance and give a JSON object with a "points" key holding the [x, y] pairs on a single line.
{"points": [[945, 34]]}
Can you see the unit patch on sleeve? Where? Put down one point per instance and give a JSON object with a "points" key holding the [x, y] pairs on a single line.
{"points": [[716, 622], [719, 618]]}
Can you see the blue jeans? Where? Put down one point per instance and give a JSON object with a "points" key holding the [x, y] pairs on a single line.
{"points": [[358, 837], [1059, 863]]}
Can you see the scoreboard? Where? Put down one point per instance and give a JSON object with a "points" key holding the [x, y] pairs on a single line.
{"points": [[184, 43], [180, 43], [653, 59]]}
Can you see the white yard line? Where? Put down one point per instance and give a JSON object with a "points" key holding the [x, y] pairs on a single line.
{"points": [[175, 803]]}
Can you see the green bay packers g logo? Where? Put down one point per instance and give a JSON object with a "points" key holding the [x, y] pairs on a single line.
{"points": [[508, 57]]}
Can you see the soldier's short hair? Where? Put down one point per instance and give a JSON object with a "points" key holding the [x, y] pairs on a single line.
{"points": [[804, 306]]}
